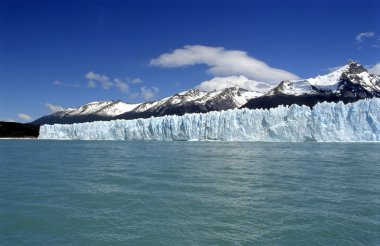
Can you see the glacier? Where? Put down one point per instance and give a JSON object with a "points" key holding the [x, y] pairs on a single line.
{"points": [[325, 122]]}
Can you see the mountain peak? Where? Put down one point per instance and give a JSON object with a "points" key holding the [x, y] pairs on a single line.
{"points": [[355, 68], [351, 61], [234, 88], [189, 92], [352, 67]]}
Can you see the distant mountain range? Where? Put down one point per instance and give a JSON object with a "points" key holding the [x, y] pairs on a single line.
{"points": [[191, 101], [348, 84]]}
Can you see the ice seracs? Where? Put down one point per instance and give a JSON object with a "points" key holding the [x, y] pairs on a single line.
{"points": [[325, 122]]}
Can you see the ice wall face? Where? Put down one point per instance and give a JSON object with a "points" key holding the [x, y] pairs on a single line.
{"points": [[359, 121]]}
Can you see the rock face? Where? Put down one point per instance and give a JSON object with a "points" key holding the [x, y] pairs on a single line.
{"points": [[332, 122], [347, 84], [18, 130]]}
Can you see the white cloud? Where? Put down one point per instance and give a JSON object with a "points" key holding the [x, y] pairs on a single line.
{"points": [[105, 82], [54, 108], [24, 116], [375, 69], [220, 83], [122, 86], [361, 36], [223, 62], [135, 81], [60, 83], [8, 120], [91, 84], [148, 93], [102, 79], [133, 95]]}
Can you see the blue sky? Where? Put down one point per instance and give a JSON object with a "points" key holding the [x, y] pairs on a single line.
{"points": [[144, 50]]}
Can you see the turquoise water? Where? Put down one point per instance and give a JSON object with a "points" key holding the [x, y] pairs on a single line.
{"points": [[188, 193]]}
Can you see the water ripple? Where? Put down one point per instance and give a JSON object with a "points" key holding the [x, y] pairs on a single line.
{"points": [[189, 193]]}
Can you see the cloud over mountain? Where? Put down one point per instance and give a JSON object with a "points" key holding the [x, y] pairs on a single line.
{"points": [[24, 116], [375, 69], [148, 93], [223, 62], [54, 108], [220, 83]]}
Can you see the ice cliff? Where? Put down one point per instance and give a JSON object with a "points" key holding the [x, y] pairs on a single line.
{"points": [[326, 122]]}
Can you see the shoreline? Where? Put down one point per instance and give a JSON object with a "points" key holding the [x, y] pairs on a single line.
{"points": [[26, 138]]}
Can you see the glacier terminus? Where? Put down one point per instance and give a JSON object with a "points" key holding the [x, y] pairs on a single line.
{"points": [[325, 122]]}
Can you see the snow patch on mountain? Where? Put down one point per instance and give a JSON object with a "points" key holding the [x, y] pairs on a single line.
{"points": [[236, 95], [105, 108], [329, 80], [118, 108], [177, 99]]}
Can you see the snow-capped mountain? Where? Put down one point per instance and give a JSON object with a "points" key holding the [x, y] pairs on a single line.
{"points": [[106, 108], [349, 83], [193, 101], [177, 99], [190, 101], [92, 111]]}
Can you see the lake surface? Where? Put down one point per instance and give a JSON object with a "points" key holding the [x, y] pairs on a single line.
{"points": [[188, 193]]}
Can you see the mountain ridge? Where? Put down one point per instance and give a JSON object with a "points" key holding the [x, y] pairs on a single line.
{"points": [[190, 101]]}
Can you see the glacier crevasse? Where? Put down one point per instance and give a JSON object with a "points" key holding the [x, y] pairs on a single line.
{"points": [[326, 122]]}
